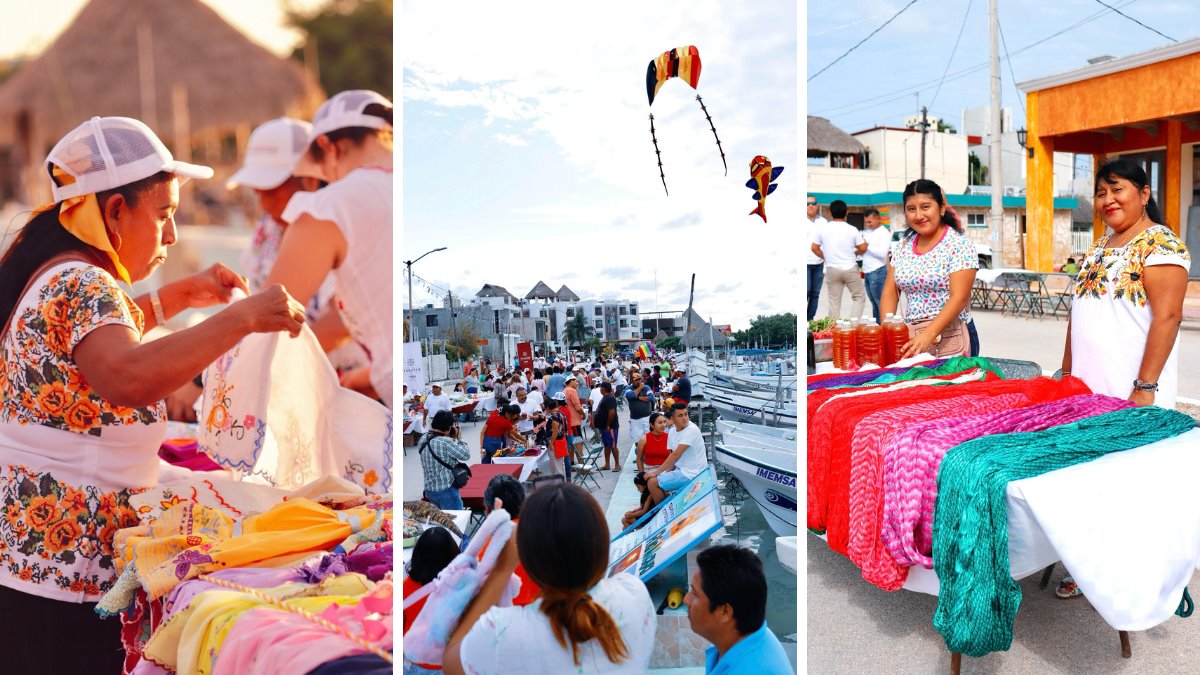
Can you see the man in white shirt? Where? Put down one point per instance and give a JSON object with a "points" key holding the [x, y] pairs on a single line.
{"points": [[879, 242], [434, 402], [687, 459], [529, 410], [816, 264], [838, 243]]}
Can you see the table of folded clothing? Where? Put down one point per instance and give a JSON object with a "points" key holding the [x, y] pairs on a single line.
{"points": [[955, 481], [228, 577], [422, 515], [528, 459]]}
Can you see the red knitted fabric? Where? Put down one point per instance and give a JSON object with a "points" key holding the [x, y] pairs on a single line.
{"points": [[865, 548], [832, 428], [824, 412]]}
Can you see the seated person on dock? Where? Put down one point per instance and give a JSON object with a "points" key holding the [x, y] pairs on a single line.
{"points": [[651, 451], [687, 457], [727, 605]]}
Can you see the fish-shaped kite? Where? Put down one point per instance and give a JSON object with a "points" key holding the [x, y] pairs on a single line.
{"points": [[762, 177], [683, 63]]}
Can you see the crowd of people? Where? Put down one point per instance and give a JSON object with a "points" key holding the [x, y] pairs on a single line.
{"points": [[560, 552]]}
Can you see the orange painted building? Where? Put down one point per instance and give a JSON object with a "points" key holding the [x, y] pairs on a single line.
{"points": [[1145, 107]]}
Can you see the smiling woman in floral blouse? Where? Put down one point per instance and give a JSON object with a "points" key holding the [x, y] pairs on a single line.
{"points": [[81, 412]]}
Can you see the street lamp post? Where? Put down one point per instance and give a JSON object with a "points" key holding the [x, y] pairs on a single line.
{"points": [[412, 326]]}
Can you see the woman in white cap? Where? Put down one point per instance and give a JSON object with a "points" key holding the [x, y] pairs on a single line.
{"points": [[81, 412], [346, 227]]}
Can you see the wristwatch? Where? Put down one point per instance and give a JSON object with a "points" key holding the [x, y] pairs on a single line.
{"points": [[1145, 386]]}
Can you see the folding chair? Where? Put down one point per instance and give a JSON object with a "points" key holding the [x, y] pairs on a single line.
{"points": [[588, 466]]}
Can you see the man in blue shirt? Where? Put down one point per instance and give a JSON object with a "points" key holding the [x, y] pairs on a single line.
{"points": [[556, 382], [727, 606]]}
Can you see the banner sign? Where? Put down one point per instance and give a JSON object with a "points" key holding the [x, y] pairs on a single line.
{"points": [[414, 368], [525, 355], [690, 516]]}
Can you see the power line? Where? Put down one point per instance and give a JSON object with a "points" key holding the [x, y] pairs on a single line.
{"points": [[1135, 20], [952, 52], [1020, 98], [908, 90], [860, 42]]}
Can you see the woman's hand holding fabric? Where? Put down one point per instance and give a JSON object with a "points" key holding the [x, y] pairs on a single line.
{"points": [[271, 310], [213, 286]]}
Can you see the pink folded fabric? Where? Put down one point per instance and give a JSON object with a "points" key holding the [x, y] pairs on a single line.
{"points": [[865, 548], [913, 456]]}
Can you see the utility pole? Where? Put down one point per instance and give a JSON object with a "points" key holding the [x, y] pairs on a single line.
{"points": [[995, 171], [453, 324], [924, 130]]}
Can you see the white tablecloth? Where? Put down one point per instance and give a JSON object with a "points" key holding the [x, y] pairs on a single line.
{"points": [[528, 464], [1126, 526]]}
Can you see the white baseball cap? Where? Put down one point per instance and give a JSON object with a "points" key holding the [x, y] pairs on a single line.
{"points": [[345, 109], [571, 378], [272, 153], [107, 152]]}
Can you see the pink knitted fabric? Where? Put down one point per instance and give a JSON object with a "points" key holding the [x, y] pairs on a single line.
{"points": [[871, 435], [912, 458]]}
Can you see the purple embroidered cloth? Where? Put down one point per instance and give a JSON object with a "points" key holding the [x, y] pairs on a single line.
{"points": [[855, 379], [374, 563]]}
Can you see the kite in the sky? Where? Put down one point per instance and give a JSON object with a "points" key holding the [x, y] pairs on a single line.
{"points": [[684, 63], [761, 181]]}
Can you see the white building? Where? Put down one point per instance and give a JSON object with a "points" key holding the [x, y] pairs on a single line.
{"points": [[977, 127], [893, 160]]}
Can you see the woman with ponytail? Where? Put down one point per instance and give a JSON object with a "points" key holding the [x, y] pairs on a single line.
{"points": [[584, 622], [934, 266]]}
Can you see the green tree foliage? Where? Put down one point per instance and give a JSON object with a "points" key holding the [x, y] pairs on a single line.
{"points": [[670, 342], [579, 330], [353, 44], [976, 170], [464, 343], [776, 331]]}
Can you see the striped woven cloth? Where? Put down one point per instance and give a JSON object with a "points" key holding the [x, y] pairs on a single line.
{"points": [[841, 412], [865, 548], [827, 380], [978, 598], [913, 457]]}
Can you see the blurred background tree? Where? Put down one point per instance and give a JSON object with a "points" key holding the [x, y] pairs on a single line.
{"points": [[350, 42]]}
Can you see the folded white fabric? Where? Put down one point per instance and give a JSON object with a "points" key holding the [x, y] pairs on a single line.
{"points": [[274, 413]]}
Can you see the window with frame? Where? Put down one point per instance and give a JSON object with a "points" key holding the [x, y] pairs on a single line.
{"points": [[431, 320], [976, 220], [599, 311], [599, 324]]}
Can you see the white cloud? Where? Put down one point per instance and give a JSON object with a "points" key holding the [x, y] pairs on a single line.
{"points": [[511, 139]]}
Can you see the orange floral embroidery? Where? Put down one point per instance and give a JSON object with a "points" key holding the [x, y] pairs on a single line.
{"points": [[42, 511], [74, 502], [53, 398], [62, 535], [83, 415], [370, 478]]}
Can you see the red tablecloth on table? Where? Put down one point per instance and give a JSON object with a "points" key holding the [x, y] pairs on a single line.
{"points": [[481, 474]]}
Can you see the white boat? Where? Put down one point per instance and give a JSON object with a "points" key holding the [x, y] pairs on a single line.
{"points": [[729, 429], [781, 394], [788, 552], [762, 382], [769, 476], [742, 408], [747, 439]]}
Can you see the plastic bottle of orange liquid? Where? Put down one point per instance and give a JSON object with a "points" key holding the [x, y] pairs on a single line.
{"points": [[870, 342], [851, 345], [896, 334], [837, 344]]}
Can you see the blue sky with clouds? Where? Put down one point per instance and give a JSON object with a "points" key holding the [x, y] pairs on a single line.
{"points": [[527, 152], [875, 85]]}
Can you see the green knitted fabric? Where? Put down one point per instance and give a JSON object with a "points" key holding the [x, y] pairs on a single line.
{"points": [[957, 364], [978, 598]]}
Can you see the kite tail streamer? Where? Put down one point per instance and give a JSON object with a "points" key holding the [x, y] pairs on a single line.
{"points": [[714, 130], [659, 155]]}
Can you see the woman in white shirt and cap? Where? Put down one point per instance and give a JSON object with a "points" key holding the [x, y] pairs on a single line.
{"points": [[346, 227]]}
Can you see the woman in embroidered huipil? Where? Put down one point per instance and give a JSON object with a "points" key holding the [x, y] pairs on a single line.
{"points": [[1124, 326], [81, 413], [1122, 335]]}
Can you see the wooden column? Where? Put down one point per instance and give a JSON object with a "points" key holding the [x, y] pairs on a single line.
{"points": [[1039, 194], [1171, 203]]}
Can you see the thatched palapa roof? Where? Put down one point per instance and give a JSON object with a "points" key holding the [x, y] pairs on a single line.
{"points": [[494, 291], [179, 50], [700, 335], [825, 139], [566, 295], [540, 291]]}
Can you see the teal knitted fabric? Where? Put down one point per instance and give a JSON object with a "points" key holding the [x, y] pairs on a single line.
{"points": [[957, 364], [978, 597]]}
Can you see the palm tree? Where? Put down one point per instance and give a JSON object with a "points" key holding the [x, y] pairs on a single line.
{"points": [[579, 329]]}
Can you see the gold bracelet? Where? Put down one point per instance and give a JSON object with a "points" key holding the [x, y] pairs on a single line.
{"points": [[156, 305]]}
